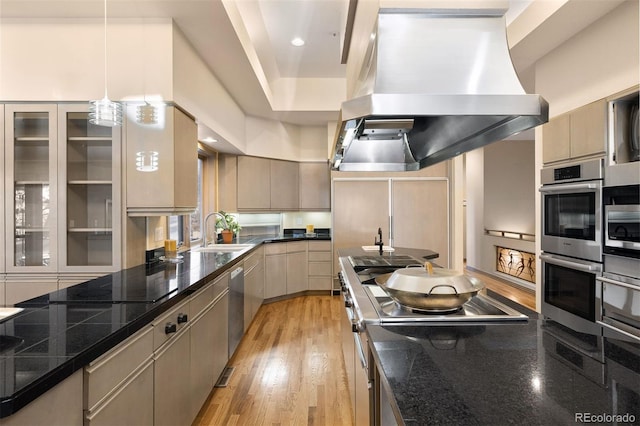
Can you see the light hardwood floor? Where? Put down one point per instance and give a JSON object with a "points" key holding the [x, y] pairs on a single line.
{"points": [[288, 369]]}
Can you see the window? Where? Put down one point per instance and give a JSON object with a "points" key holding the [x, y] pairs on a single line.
{"points": [[196, 219]]}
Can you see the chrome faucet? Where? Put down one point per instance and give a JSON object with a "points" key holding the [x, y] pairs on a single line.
{"points": [[206, 220]]}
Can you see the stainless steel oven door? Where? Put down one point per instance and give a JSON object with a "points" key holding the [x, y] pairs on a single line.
{"points": [[571, 292], [621, 307], [572, 219]]}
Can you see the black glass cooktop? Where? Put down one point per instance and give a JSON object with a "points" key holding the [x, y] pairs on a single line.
{"points": [[361, 263]]}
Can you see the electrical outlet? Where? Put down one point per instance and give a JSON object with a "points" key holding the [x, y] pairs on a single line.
{"points": [[159, 233]]}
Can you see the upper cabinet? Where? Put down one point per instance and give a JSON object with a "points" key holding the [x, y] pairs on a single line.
{"points": [[162, 164], [265, 184], [89, 192], [576, 134], [315, 186], [31, 187]]}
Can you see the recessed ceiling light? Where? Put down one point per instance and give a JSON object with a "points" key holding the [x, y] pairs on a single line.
{"points": [[297, 42], [209, 139]]}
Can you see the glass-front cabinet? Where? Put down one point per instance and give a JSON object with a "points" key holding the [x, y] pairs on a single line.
{"points": [[30, 187], [89, 192]]}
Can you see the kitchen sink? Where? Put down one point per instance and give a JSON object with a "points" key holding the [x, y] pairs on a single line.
{"points": [[223, 248]]}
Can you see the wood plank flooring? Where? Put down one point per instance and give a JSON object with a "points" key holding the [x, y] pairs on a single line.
{"points": [[288, 369]]}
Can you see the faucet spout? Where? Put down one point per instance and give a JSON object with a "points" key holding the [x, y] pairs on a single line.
{"points": [[206, 220]]}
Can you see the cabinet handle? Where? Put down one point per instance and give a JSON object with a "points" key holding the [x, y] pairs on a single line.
{"points": [[182, 318], [170, 328]]}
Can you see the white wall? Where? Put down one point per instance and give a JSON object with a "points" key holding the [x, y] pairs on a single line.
{"points": [[63, 59]]}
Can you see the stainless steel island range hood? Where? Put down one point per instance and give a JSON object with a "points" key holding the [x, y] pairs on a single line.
{"points": [[435, 84]]}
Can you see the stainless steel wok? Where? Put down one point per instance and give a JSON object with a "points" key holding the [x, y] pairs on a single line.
{"points": [[429, 289]]}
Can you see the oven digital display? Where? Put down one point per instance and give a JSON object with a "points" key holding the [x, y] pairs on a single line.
{"points": [[564, 173]]}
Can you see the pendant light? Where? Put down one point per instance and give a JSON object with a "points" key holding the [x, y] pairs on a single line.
{"points": [[105, 112]]}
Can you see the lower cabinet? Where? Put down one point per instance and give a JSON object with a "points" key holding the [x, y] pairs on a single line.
{"points": [[297, 275], [286, 269], [171, 387], [320, 266], [253, 285]]}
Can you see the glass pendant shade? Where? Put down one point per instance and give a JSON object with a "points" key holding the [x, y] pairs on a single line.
{"points": [[147, 161], [147, 114], [105, 112]]}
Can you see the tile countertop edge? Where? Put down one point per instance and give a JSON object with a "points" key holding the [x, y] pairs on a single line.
{"points": [[11, 404]]}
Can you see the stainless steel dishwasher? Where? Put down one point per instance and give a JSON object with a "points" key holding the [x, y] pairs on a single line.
{"points": [[236, 308]]}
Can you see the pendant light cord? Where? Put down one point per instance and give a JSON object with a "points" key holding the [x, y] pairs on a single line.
{"points": [[105, 49]]}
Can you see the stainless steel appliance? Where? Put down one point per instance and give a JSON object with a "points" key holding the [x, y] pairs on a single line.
{"points": [[572, 292], [620, 315], [417, 103], [236, 308], [622, 220], [571, 210]]}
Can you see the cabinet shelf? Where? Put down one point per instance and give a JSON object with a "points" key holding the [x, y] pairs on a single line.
{"points": [[31, 182], [89, 182], [91, 230], [30, 230], [31, 139], [89, 138]]}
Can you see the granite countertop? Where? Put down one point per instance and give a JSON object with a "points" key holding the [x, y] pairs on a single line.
{"points": [[535, 372], [61, 332]]}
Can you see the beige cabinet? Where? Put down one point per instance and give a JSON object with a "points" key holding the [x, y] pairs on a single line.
{"points": [[31, 188], [162, 164], [412, 213], [315, 186], [253, 285], [275, 270], [118, 386], [254, 183], [297, 267], [576, 134], [227, 183], [284, 185], [320, 267]]}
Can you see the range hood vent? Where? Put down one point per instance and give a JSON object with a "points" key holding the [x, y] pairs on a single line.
{"points": [[435, 84]]}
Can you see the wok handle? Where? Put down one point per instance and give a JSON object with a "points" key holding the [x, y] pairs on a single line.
{"points": [[444, 285]]}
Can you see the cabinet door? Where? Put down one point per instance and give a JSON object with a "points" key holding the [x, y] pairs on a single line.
{"points": [[420, 213], [171, 390], [203, 331], [284, 185], [275, 275], [254, 183], [227, 183], [31, 188], [2, 211], [297, 272], [315, 186], [360, 207], [589, 129], [89, 190], [556, 138], [186, 160]]}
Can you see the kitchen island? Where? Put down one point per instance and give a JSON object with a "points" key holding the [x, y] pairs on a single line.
{"points": [[450, 368]]}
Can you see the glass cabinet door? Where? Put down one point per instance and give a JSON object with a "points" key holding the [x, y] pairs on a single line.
{"points": [[90, 208], [30, 179]]}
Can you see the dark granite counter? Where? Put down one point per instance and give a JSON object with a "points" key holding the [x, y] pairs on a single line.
{"points": [[534, 372], [59, 333]]}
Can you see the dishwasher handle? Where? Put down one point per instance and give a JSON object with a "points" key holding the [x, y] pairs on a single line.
{"points": [[239, 270]]}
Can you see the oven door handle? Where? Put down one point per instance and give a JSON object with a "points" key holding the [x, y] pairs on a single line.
{"points": [[586, 267], [568, 187], [618, 283], [360, 350], [619, 327]]}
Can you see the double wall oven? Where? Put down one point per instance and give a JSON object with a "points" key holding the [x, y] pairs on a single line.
{"points": [[571, 243]]}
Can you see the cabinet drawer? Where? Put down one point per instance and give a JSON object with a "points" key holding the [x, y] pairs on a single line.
{"points": [[297, 246], [171, 317], [320, 246], [322, 269], [220, 284], [319, 256], [251, 261], [200, 300], [132, 404], [275, 248], [107, 372], [320, 283]]}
